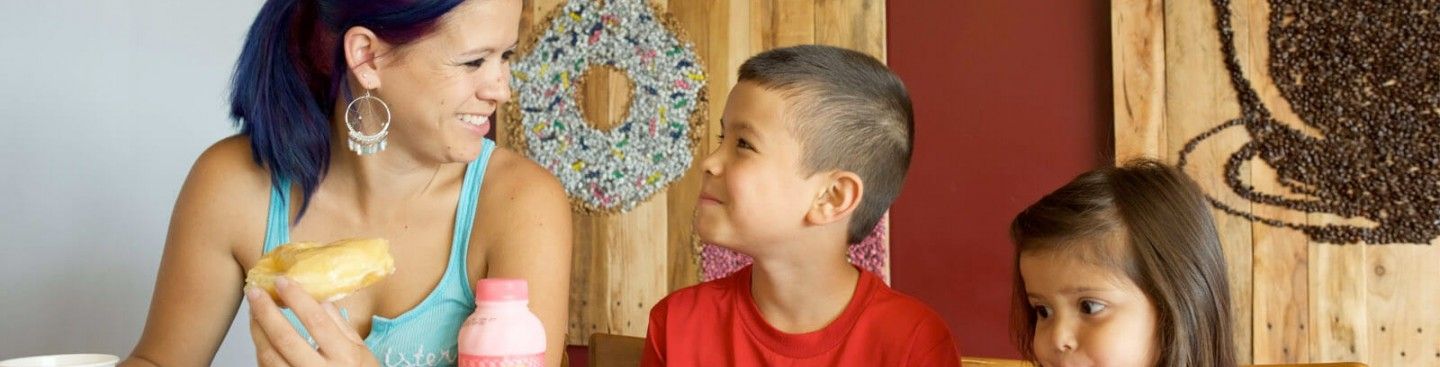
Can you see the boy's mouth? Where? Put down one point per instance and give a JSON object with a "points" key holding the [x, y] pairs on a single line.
{"points": [[707, 198]]}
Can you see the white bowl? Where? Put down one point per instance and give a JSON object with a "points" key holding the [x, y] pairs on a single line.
{"points": [[64, 360]]}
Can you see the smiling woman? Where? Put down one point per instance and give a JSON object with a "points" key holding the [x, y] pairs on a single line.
{"points": [[410, 87]]}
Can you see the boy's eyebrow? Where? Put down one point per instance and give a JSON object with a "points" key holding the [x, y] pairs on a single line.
{"points": [[739, 125]]}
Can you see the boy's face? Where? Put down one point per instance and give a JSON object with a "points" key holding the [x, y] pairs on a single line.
{"points": [[754, 192], [1087, 315]]}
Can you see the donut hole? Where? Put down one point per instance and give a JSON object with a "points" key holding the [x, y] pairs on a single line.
{"points": [[603, 93]]}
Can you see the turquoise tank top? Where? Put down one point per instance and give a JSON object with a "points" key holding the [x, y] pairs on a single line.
{"points": [[424, 335]]}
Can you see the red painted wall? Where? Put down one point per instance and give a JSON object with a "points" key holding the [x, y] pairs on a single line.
{"points": [[1012, 100]]}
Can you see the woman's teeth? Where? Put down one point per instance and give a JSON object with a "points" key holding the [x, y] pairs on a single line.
{"points": [[477, 120]]}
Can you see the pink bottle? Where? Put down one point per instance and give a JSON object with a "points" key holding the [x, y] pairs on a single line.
{"points": [[502, 332]]}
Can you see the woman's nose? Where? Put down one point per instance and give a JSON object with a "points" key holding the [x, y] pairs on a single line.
{"points": [[495, 85]]}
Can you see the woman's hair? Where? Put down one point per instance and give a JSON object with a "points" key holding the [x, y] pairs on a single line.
{"points": [[292, 69], [1170, 250]]}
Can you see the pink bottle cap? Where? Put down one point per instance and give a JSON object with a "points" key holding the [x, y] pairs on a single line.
{"points": [[502, 289]]}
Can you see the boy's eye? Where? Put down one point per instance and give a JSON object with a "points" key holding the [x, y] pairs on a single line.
{"points": [[739, 143], [505, 57], [742, 144], [476, 63], [1091, 307], [1043, 312]]}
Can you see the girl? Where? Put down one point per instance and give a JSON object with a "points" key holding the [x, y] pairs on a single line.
{"points": [[1122, 267]]}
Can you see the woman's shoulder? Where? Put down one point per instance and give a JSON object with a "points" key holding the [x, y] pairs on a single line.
{"points": [[225, 189], [514, 179], [529, 196], [229, 164]]}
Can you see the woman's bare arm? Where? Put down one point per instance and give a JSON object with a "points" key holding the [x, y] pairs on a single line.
{"points": [[197, 289], [527, 217]]}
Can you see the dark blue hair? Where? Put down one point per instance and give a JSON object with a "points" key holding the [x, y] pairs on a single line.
{"points": [[292, 69]]}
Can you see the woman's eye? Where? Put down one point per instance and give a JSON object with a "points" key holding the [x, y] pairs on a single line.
{"points": [[1091, 307], [504, 58], [1042, 312]]}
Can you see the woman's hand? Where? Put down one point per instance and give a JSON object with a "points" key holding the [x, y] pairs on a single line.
{"points": [[278, 344]]}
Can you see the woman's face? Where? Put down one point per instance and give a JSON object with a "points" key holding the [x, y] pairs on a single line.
{"points": [[443, 89]]}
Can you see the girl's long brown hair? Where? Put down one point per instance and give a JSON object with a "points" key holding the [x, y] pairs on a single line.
{"points": [[1171, 251]]}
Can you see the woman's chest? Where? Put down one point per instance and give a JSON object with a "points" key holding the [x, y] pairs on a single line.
{"points": [[430, 256]]}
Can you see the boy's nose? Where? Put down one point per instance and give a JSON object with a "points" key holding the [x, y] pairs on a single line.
{"points": [[712, 163]]}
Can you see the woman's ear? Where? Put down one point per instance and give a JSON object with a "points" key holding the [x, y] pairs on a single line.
{"points": [[362, 53], [837, 200]]}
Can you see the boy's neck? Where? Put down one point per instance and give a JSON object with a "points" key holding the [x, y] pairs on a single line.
{"points": [[803, 295]]}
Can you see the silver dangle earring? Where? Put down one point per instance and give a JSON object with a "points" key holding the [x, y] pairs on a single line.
{"points": [[360, 143]]}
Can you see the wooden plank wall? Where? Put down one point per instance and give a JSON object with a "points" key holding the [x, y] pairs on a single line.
{"points": [[624, 263], [1295, 301]]}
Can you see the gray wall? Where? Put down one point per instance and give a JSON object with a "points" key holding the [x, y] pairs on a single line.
{"points": [[103, 107]]}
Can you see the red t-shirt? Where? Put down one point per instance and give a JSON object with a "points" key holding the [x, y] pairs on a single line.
{"points": [[716, 323]]}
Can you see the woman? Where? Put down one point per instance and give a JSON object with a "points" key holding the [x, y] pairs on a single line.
{"points": [[363, 118]]}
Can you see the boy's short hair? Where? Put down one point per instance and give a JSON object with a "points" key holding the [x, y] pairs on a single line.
{"points": [[851, 114]]}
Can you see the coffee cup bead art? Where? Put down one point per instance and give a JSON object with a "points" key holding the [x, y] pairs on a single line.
{"points": [[1367, 144]]}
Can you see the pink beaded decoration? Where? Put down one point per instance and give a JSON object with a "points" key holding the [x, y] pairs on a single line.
{"points": [[717, 262]]}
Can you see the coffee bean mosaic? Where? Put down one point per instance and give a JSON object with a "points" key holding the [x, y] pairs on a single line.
{"points": [[1366, 76]]}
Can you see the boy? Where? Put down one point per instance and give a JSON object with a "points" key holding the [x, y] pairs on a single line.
{"points": [[815, 144]]}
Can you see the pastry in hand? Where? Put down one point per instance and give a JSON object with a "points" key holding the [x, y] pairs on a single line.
{"points": [[328, 272]]}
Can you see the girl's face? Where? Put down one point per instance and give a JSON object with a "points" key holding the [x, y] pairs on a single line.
{"points": [[1087, 314]]}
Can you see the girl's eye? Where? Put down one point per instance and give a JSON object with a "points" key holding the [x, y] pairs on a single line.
{"points": [[476, 63], [1091, 307], [505, 57], [1043, 312]]}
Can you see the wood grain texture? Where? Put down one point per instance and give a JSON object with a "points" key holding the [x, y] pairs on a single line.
{"points": [[853, 24], [1138, 73]]}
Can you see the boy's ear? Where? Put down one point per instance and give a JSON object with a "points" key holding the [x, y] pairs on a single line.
{"points": [[837, 200], [362, 53]]}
